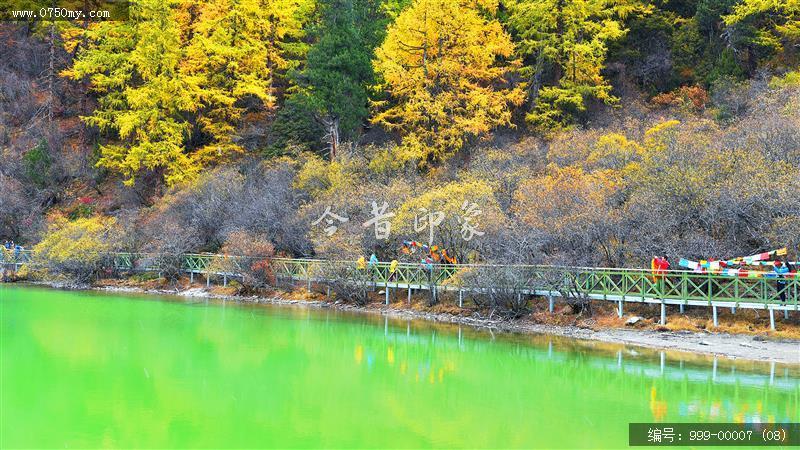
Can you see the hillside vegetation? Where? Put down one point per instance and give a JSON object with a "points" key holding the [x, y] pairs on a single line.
{"points": [[591, 132]]}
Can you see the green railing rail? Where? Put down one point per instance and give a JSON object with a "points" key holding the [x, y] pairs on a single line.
{"points": [[614, 284]]}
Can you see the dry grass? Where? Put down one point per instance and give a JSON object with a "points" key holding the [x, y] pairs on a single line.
{"points": [[610, 321], [744, 321], [224, 290], [303, 294], [604, 314], [679, 323], [447, 308]]}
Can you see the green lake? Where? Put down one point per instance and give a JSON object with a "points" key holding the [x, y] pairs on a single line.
{"points": [[89, 369]]}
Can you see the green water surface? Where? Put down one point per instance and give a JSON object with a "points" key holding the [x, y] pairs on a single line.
{"points": [[85, 369]]}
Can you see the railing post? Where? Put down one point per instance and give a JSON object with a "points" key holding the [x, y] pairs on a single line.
{"points": [[684, 287], [643, 289], [771, 319], [603, 285]]}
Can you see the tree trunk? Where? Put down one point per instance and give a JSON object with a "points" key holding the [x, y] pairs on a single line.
{"points": [[558, 69], [51, 77], [331, 125]]}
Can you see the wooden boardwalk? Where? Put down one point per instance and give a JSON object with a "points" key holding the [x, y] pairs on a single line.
{"points": [[619, 285]]}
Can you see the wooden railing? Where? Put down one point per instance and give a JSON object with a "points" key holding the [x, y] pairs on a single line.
{"points": [[612, 284]]}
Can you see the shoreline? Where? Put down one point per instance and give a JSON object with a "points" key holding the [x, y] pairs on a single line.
{"points": [[731, 346]]}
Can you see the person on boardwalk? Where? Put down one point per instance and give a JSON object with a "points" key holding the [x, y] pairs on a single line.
{"points": [[659, 266], [781, 271], [427, 263], [427, 266]]}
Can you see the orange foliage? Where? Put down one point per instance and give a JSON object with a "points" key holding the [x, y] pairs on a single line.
{"points": [[685, 96]]}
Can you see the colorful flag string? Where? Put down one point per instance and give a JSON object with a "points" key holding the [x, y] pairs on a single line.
{"points": [[727, 267]]}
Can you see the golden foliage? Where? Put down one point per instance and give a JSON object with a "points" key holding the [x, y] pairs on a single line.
{"points": [[450, 199], [174, 81], [571, 37], [447, 68], [81, 239], [567, 197], [76, 248], [319, 177], [614, 151], [457, 204]]}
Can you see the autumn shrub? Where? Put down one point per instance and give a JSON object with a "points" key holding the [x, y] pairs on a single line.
{"points": [[318, 177], [268, 206], [256, 196], [348, 282], [691, 97], [167, 242], [206, 205], [576, 214], [500, 290], [249, 255], [78, 249], [456, 215], [730, 98], [19, 211]]}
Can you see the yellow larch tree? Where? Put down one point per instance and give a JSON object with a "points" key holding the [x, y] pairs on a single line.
{"points": [[564, 45], [237, 50], [446, 65], [225, 63]]}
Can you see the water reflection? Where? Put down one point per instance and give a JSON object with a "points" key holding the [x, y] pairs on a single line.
{"points": [[676, 386]]}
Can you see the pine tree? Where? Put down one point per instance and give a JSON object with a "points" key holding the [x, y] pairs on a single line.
{"points": [[339, 69]]}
